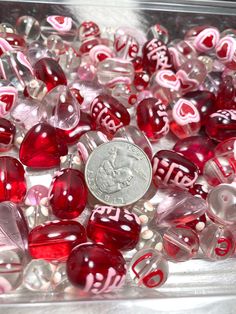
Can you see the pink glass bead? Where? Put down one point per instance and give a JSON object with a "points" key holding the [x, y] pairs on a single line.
{"points": [[88, 142], [156, 56], [204, 101], [186, 119], [88, 45], [217, 242], [54, 240], [165, 86], [112, 71], [85, 124], [152, 118], [86, 71], [148, 268], [12, 180], [158, 31], [126, 47], [41, 147], [36, 194], [16, 68], [178, 207], [50, 72], [99, 53], [203, 38], [60, 108], [68, 194], [8, 97], [95, 269], [199, 190], [133, 135], [191, 75], [181, 51], [26, 113], [221, 204], [219, 170], [226, 96], [7, 134], [198, 149], [198, 224], [225, 50], [13, 230], [63, 26], [114, 227], [180, 243], [221, 125], [171, 168], [109, 113], [15, 41], [88, 30]]}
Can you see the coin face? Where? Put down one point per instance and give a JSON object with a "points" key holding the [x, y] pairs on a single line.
{"points": [[118, 173]]}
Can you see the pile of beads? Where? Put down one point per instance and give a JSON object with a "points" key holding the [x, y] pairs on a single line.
{"points": [[82, 182]]}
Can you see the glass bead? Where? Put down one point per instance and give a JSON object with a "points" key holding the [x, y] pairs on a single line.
{"points": [[11, 271], [186, 119], [156, 56], [7, 28], [125, 94], [204, 101], [37, 89], [26, 113], [12, 180], [36, 195], [180, 243], [152, 118], [226, 96], [181, 51], [165, 86], [38, 275], [68, 194], [109, 113], [133, 135], [126, 47], [41, 148], [99, 53], [225, 49], [95, 269], [114, 227], [8, 97], [204, 38], [150, 239], [7, 134], [72, 161], [217, 242], [69, 60], [221, 204], [88, 142], [173, 169], [178, 207], [54, 240], [63, 26], [221, 125], [144, 210], [49, 71], [112, 71], [197, 148], [37, 214], [60, 108], [148, 268], [16, 68], [28, 27], [219, 170], [88, 30], [159, 32], [191, 75], [55, 44]]}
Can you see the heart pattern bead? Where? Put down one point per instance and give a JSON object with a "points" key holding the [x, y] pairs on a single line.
{"points": [[184, 112]]}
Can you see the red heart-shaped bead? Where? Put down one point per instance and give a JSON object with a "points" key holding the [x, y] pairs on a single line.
{"points": [[223, 51], [41, 147], [186, 109], [171, 78], [208, 41]]}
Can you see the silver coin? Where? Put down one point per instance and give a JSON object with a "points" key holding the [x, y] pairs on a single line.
{"points": [[118, 173]]}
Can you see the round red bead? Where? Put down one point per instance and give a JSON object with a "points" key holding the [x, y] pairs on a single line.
{"points": [[96, 269], [55, 240], [68, 194]]}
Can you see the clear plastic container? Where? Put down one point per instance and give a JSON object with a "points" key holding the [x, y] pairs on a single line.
{"points": [[195, 286]]}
